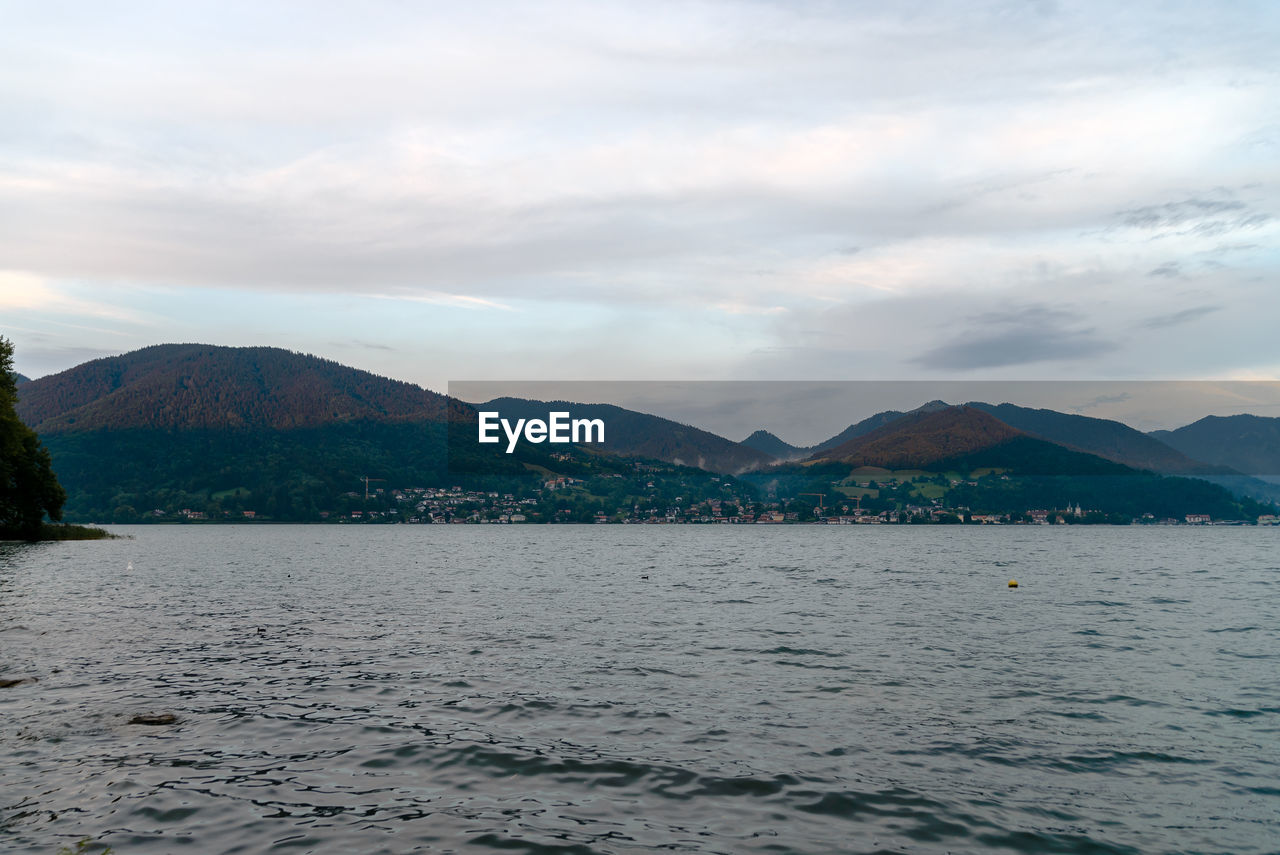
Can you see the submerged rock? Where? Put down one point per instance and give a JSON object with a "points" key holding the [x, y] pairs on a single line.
{"points": [[147, 718], [10, 683]]}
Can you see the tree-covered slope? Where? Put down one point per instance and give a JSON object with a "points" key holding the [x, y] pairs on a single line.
{"points": [[918, 439], [1106, 438], [1246, 443], [196, 386]]}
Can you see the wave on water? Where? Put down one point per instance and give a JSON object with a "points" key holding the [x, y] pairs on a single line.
{"points": [[243, 690]]}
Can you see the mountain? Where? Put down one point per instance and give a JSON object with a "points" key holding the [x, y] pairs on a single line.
{"points": [[918, 439], [869, 424], [20, 378], [195, 386], [1039, 473], [264, 429], [636, 434], [978, 463], [766, 442], [1249, 444], [855, 430], [225, 431], [1108, 439], [222, 431]]}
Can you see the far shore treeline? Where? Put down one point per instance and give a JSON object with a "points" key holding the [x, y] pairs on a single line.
{"points": [[198, 433]]}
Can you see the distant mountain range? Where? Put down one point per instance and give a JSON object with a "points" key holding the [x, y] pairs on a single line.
{"points": [[1112, 440], [1248, 444], [168, 423], [980, 462], [21, 378]]}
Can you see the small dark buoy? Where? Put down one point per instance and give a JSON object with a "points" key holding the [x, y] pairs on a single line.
{"points": [[644, 577], [1013, 583]]}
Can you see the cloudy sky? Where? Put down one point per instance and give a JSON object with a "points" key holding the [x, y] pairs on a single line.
{"points": [[693, 190]]}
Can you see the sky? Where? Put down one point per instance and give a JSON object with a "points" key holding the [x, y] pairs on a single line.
{"points": [[793, 190]]}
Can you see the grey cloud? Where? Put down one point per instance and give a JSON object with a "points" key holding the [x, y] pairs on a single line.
{"points": [[1182, 317], [961, 332], [367, 345], [1036, 313], [1214, 228], [1101, 400], [1176, 213], [1202, 217], [1036, 332], [1169, 269], [1014, 347]]}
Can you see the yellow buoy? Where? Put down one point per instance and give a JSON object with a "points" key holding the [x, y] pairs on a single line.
{"points": [[1013, 583]]}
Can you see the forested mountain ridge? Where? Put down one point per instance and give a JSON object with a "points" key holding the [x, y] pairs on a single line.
{"points": [[783, 450], [1247, 443], [1109, 439], [197, 386], [198, 431], [917, 439], [977, 464]]}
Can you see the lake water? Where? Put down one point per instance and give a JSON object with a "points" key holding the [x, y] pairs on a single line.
{"points": [[616, 689]]}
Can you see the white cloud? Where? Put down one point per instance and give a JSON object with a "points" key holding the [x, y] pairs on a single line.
{"points": [[719, 155]]}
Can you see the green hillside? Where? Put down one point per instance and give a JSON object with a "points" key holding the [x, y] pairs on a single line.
{"points": [[992, 470]]}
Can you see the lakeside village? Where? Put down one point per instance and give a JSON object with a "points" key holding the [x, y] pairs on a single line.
{"points": [[572, 500], [455, 506]]}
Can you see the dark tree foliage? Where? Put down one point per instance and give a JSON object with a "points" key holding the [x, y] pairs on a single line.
{"points": [[28, 487]]}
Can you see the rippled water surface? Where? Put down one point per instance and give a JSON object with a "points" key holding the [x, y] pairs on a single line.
{"points": [[636, 689]]}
